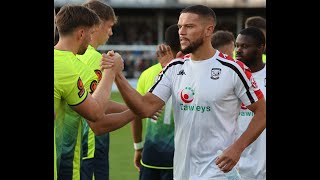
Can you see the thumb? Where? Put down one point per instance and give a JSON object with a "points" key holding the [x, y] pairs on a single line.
{"points": [[111, 53], [137, 165]]}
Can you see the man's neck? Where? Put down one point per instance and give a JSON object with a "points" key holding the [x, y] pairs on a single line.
{"points": [[203, 53], [66, 44], [257, 67], [94, 44]]}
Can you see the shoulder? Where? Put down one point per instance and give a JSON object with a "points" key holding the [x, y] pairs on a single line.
{"points": [[234, 64], [91, 54], [177, 61], [64, 62], [155, 69]]}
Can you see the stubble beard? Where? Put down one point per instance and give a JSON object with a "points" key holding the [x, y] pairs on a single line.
{"points": [[193, 46]]}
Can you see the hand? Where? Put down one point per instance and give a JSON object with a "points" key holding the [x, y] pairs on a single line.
{"points": [[164, 54], [157, 114], [137, 158], [228, 159], [107, 60], [118, 64]]}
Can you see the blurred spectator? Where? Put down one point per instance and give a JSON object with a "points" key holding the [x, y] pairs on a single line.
{"points": [[134, 33], [135, 63], [223, 41]]}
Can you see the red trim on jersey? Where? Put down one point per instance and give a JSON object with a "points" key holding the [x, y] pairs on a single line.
{"points": [[180, 57], [224, 56], [186, 56], [248, 74], [259, 94]]}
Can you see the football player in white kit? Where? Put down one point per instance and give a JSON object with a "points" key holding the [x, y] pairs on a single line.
{"points": [[250, 45], [207, 90]]}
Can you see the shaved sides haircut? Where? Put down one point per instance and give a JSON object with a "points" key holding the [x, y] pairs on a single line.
{"points": [[202, 11], [103, 10]]}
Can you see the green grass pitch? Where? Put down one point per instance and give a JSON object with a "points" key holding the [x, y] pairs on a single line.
{"points": [[121, 151]]}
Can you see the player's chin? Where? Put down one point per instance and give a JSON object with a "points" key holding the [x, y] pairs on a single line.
{"points": [[184, 44]]}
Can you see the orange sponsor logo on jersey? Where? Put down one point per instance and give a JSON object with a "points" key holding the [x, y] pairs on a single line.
{"points": [[93, 86], [80, 87], [99, 74]]}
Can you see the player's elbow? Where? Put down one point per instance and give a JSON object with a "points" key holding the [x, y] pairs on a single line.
{"points": [[95, 117], [99, 131]]}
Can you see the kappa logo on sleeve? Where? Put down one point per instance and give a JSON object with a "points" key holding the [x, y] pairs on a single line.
{"points": [[81, 88], [181, 72]]}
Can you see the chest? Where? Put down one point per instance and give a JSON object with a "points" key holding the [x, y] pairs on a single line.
{"points": [[204, 83]]}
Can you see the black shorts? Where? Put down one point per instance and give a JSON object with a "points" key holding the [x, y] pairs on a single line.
{"points": [[155, 174], [93, 167]]}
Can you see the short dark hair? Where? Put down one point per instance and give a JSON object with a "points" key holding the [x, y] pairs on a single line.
{"points": [[256, 21], [71, 17], [103, 10], [172, 38], [221, 38], [201, 10], [255, 33]]}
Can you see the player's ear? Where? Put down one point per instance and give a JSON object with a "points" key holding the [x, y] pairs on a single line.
{"points": [[209, 30], [80, 33], [261, 48]]}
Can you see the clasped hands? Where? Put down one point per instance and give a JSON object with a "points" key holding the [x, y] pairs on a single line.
{"points": [[113, 61]]}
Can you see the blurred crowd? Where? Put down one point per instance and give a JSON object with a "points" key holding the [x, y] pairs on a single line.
{"points": [[137, 61], [133, 33]]}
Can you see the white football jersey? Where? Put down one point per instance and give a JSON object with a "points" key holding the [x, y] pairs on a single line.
{"points": [[206, 97], [252, 163]]}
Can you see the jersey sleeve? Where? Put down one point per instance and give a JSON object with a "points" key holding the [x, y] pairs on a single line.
{"points": [[69, 85], [162, 87], [245, 86]]}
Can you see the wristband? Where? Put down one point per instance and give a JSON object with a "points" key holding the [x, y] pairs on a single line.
{"points": [[138, 146]]}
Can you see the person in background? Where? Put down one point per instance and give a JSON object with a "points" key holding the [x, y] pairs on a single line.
{"points": [[153, 158], [72, 82], [68, 85], [95, 154], [249, 49], [223, 41], [258, 22], [207, 90]]}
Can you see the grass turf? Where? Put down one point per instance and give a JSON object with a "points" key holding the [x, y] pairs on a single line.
{"points": [[121, 151]]}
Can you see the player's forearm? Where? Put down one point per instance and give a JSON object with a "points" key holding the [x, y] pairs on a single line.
{"points": [[115, 107], [111, 122], [94, 113], [133, 99], [136, 128], [103, 91]]}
